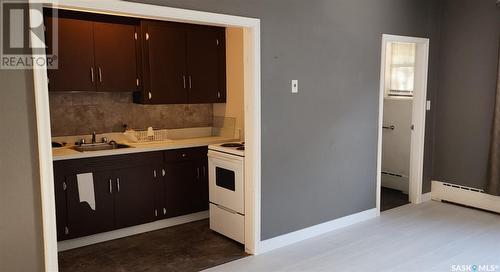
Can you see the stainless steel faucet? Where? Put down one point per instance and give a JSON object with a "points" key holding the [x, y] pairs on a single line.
{"points": [[93, 137]]}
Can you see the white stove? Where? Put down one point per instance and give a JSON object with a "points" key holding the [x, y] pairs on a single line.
{"points": [[226, 178], [236, 148]]}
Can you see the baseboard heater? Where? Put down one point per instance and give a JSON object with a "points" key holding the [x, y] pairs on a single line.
{"points": [[463, 195]]}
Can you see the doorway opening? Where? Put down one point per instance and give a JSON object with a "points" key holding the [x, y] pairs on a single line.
{"points": [[251, 93], [403, 92]]}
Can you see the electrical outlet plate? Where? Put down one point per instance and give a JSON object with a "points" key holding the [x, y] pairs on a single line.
{"points": [[295, 86]]}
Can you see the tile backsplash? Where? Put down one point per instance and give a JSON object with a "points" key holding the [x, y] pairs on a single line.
{"points": [[81, 113]]}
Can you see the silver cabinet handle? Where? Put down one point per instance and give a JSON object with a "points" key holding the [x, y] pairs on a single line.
{"points": [[92, 74], [163, 172], [190, 84], [184, 81], [164, 211], [184, 155], [156, 212], [154, 173], [218, 94], [118, 184], [150, 95], [100, 74], [110, 186]]}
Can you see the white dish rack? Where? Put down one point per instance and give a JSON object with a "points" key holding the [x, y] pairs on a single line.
{"points": [[157, 135]]}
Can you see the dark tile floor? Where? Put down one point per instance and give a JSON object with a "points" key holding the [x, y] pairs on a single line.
{"points": [[187, 247], [392, 198]]}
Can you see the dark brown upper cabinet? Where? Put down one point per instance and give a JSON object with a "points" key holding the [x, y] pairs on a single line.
{"points": [[206, 63], [95, 53], [182, 63], [75, 55], [164, 63], [115, 58]]}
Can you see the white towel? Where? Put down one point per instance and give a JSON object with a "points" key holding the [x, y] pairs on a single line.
{"points": [[86, 189]]}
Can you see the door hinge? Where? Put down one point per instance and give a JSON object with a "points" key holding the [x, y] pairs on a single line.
{"points": [[66, 230], [147, 36], [65, 186], [137, 81], [135, 35]]}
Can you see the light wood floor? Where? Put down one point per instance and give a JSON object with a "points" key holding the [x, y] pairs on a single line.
{"points": [[429, 237]]}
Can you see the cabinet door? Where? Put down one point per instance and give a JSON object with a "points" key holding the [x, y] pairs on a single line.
{"points": [[164, 55], [134, 196], [60, 198], [206, 64], [75, 55], [81, 218], [115, 56], [180, 188], [201, 197]]}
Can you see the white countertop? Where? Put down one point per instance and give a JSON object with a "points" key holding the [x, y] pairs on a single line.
{"points": [[67, 153]]}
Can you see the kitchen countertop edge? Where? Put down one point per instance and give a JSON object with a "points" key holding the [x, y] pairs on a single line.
{"points": [[66, 153]]}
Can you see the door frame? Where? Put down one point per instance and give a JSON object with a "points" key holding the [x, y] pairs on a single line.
{"points": [[252, 108], [418, 115]]}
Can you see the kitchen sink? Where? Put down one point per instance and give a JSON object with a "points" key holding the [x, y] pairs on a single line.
{"points": [[99, 146]]}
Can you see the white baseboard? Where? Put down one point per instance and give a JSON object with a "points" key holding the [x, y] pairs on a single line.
{"points": [[310, 232], [120, 233], [397, 183], [465, 195], [426, 197]]}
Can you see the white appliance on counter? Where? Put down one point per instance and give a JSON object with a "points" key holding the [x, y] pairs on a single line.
{"points": [[226, 178]]}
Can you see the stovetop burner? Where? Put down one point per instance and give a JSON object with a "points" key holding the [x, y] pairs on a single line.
{"points": [[238, 145]]}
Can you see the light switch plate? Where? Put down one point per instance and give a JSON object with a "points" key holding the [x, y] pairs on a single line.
{"points": [[295, 86], [428, 105]]}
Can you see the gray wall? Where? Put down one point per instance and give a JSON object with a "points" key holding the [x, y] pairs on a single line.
{"points": [[319, 147], [21, 247], [465, 101]]}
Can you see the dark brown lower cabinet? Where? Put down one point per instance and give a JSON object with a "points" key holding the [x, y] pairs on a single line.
{"points": [[134, 196], [185, 183], [180, 188], [81, 218], [130, 190]]}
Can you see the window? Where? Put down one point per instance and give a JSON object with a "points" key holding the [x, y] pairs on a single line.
{"points": [[401, 68]]}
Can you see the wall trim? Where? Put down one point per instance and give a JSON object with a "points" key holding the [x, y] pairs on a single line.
{"points": [[316, 230], [426, 197], [465, 195], [120, 233]]}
